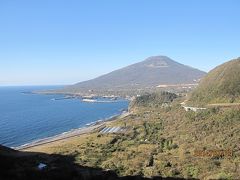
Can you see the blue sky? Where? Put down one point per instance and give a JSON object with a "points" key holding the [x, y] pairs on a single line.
{"points": [[67, 41]]}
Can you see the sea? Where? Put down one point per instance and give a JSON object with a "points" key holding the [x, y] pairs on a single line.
{"points": [[26, 117]]}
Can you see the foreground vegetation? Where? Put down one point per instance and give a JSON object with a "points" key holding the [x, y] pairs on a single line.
{"points": [[161, 140]]}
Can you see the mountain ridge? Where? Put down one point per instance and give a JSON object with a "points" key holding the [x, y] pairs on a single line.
{"points": [[220, 85]]}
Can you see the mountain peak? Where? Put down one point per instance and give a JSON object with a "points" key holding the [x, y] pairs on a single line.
{"points": [[159, 61], [150, 73], [157, 58]]}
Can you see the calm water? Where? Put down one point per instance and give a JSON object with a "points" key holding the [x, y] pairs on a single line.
{"points": [[28, 117]]}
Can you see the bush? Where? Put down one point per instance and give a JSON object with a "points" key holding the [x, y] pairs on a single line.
{"points": [[224, 176], [192, 171]]}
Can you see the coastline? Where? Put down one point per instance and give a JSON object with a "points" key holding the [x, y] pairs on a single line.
{"points": [[72, 133]]}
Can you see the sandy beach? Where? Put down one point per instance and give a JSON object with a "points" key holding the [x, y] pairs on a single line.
{"points": [[70, 134]]}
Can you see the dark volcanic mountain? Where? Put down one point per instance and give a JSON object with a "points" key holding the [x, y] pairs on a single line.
{"points": [[154, 71]]}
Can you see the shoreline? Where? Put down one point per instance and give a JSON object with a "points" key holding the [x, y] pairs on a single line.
{"points": [[72, 133]]}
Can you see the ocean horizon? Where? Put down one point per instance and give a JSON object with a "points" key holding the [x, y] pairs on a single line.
{"points": [[27, 117]]}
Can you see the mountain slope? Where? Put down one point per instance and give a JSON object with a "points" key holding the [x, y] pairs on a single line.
{"points": [[221, 85], [149, 73]]}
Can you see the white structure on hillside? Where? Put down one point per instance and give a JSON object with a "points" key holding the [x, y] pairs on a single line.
{"points": [[107, 130], [195, 109]]}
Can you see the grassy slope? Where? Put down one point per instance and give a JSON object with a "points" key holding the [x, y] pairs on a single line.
{"points": [[161, 141], [221, 85]]}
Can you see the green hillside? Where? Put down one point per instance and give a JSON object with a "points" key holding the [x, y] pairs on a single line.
{"points": [[221, 85], [154, 99]]}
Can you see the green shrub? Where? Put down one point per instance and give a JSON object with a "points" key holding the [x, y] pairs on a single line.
{"points": [[192, 171], [224, 176]]}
